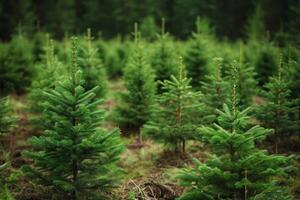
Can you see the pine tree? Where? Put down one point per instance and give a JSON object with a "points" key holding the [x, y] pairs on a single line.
{"points": [[214, 93], [49, 73], [93, 70], [74, 156], [162, 60], [276, 112], [195, 59], [177, 110], [136, 103], [236, 169]]}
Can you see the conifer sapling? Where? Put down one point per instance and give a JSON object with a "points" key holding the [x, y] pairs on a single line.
{"points": [[236, 168], [92, 67], [177, 110], [214, 90], [163, 60], [74, 156], [195, 58], [50, 72], [276, 111], [247, 82], [137, 102]]}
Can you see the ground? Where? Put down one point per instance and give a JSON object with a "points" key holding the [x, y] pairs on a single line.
{"points": [[149, 168]]}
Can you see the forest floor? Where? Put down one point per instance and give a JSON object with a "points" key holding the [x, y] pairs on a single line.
{"points": [[149, 169]]}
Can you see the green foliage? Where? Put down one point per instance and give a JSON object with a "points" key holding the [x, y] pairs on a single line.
{"points": [[294, 67], [116, 55], [247, 83], [236, 169], [93, 70], [177, 113], [74, 156], [131, 195], [136, 103], [273, 193], [39, 41], [214, 93], [49, 73], [276, 111], [7, 121], [265, 62], [195, 58], [16, 70], [255, 29], [149, 28], [5, 194], [6, 115], [293, 62], [163, 58], [64, 51], [294, 24]]}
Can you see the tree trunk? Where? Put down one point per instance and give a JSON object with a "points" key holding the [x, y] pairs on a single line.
{"points": [[75, 172]]}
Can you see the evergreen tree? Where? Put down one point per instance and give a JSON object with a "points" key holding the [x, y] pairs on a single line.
{"points": [[49, 73], [74, 156], [255, 29], [16, 70], [294, 24], [294, 66], [137, 102], [162, 60], [214, 93], [176, 113], [149, 28], [247, 82], [195, 59], [236, 169], [265, 62], [276, 111], [91, 66]]}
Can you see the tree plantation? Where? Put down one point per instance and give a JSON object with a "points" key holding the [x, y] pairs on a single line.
{"points": [[148, 100]]}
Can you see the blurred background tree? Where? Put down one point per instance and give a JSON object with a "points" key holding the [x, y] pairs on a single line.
{"points": [[109, 18]]}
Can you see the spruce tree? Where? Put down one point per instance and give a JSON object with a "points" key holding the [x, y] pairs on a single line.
{"points": [[276, 111], [162, 61], [214, 90], [195, 58], [92, 67], [74, 156], [49, 73], [137, 102], [236, 168], [176, 113]]}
